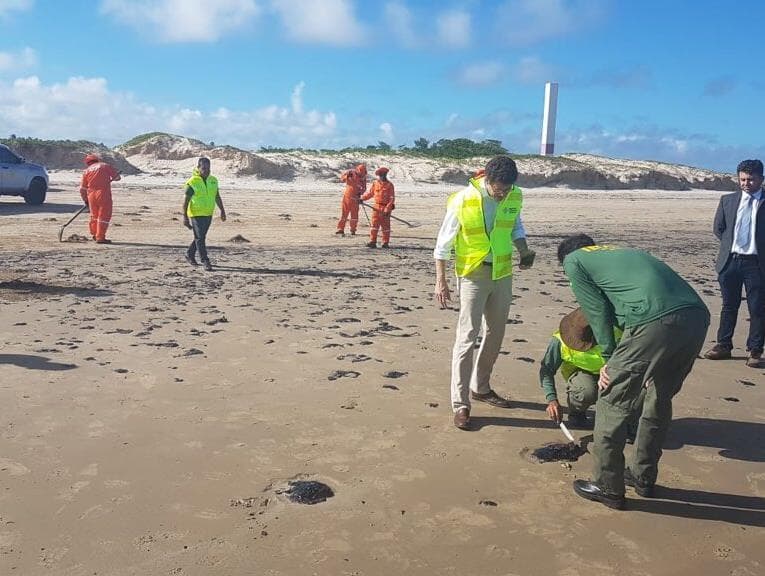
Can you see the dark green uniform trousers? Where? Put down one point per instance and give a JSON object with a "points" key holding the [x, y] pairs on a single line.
{"points": [[581, 391], [648, 366]]}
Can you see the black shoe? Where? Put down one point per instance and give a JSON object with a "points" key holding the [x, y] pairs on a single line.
{"points": [[591, 491], [191, 260], [579, 421], [644, 490], [207, 265], [340, 233], [385, 245], [371, 244]]}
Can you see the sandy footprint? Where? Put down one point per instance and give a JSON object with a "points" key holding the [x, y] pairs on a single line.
{"points": [[13, 468]]}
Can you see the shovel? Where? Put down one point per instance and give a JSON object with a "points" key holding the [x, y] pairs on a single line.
{"points": [[391, 215], [61, 232]]}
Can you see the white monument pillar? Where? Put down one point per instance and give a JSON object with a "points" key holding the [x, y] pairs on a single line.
{"points": [[547, 147]]}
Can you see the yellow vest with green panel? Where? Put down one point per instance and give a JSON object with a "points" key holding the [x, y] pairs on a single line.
{"points": [[472, 244], [575, 360], [202, 202]]}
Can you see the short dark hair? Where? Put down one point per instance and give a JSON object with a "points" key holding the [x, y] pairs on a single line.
{"points": [[574, 242], [502, 169], [753, 167], [203, 159]]}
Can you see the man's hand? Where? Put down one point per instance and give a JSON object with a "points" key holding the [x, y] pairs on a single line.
{"points": [[527, 259], [604, 381], [441, 292], [187, 222], [554, 411], [222, 215]]}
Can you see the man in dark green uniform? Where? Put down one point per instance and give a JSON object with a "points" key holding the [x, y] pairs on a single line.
{"points": [[665, 324]]}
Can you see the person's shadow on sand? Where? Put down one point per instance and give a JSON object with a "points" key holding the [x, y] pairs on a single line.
{"points": [[736, 440], [731, 508], [34, 362]]}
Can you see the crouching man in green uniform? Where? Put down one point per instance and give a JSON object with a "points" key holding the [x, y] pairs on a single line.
{"points": [[573, 351], [665, 324]]}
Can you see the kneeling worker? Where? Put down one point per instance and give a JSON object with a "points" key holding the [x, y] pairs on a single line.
{"points": [[574, 351]]}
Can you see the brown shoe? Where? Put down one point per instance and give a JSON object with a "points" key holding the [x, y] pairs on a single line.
{"points": [[462, 418], [754, 360], [717, 352], [491, 397]]}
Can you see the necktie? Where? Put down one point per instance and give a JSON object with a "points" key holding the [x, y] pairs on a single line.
{"points": [[743, 236]]}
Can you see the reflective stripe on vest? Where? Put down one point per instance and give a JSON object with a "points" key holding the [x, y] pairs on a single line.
{"points": [[472, 244], [202, 202]]}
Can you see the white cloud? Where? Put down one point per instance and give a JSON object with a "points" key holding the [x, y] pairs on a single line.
{"points": [[387, 129], [453, 28], [481, 74], [532, 70], [531, 21], [182, 20], [321, 21], [21, 60], [400, 25], [7, 6], [85, 108]]}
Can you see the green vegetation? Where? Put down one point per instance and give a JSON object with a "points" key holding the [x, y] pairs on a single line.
{"points": [[455, 149], [141, 138], [24, 142]]}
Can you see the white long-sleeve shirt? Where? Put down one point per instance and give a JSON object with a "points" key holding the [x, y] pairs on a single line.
{"points": [[450, 227], [749, 246]]}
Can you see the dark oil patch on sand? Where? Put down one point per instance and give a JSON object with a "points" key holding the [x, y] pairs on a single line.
{"points": [[556, 452], [308, 491]]}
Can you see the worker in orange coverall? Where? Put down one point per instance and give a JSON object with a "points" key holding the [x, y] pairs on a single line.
{"points": [[96, 192], [382, 191], [355, 186]]}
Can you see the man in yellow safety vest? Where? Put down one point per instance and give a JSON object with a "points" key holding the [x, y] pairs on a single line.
{"points": [[481, 226], [574, 351], [202, 195]]}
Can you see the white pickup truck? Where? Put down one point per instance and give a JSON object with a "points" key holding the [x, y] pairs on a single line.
{"points": [[21, 178]]}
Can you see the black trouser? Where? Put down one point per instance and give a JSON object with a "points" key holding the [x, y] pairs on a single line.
{"points": [[742, 271], [199, 225]]}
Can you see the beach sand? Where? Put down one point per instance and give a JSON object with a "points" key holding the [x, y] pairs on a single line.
{"points": [[152, 414]]}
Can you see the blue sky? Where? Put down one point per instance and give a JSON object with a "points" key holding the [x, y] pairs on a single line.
{"points": [[670, 80]]}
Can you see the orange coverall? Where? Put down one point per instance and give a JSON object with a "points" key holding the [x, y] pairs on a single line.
{"points": [[355, 186], [96, 190], [384, 196]]}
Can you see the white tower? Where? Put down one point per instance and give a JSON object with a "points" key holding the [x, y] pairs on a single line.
{"points": [[548, 120]]}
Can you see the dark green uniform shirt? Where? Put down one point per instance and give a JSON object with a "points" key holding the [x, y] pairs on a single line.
{"points": [[624, 287]]}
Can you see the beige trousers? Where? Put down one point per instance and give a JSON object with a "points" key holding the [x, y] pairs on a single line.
{"points": [[484, 303]]}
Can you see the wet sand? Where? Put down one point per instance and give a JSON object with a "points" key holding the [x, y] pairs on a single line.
{"points": [[152, 414]]}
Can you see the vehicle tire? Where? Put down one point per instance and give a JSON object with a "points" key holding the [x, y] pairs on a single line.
{"points": [[36, 193]]}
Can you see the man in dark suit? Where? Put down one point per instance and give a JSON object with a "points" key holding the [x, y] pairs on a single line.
{"points": [[740, 226]]}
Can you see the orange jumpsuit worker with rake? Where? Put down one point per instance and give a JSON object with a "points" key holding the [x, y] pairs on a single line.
{"points": [[96, 192], [382, 191], [355, 185]]}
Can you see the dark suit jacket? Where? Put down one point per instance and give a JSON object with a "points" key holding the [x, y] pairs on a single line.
{"points": [[725, 222]]}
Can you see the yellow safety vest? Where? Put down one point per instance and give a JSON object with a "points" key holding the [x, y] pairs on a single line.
{"points": [[473, 244], [575, 360], [202, 202]]}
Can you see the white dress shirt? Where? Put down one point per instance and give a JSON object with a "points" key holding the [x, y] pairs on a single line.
{"points": [[748, 247], [450, 227]]}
